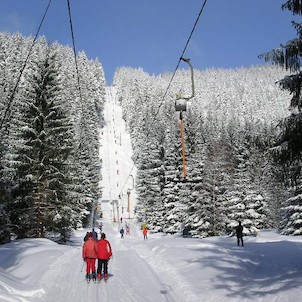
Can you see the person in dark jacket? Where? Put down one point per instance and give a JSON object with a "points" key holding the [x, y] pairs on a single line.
{"points": [[239, 233], [104, 254], [122, 232], [86, 236]]}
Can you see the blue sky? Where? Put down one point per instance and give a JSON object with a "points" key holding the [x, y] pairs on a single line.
{"points": [[152, 33]]}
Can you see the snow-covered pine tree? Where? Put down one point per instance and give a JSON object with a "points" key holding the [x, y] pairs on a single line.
{"points": [[223, 97], [174, 206], [89, 126], [42, 176], [14, 49], [289, 149], [195, 199]]}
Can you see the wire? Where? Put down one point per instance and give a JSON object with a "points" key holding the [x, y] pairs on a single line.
{"points": [[76, 62], [171, 80], [177, 66], [11, 99]]}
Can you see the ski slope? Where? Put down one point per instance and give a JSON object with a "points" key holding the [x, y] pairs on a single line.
{"points": [[118, 171], [163, 268]]}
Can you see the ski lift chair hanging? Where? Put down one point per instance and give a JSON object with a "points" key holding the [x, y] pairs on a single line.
{"points": [[181, 106]]}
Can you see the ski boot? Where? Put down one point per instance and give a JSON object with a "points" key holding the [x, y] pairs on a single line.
{"points": [[87, 278], [105, 277], [94, 277]]}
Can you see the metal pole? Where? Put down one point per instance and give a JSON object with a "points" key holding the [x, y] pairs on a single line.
{"points": [[128, 203], [182, 128]]}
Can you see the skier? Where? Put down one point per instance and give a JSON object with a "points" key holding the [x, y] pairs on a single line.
{"points": [[101, 226], [145, 232], [89, 254], [122, 232], [104, 254], [86, 236], [94, 235], [127, 229], [239, 233]]}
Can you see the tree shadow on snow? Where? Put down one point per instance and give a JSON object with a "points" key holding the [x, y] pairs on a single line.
{"points": [[257, 269]]}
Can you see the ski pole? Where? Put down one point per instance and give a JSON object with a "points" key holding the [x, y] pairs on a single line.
{"points": [[82, 266]]}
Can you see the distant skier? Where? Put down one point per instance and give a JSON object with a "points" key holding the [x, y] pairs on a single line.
{"points": [[101, 226], [145, 233], [127, 229], [89, 254], [104, 254], [239, 233], [94, 235], [122, 232]]}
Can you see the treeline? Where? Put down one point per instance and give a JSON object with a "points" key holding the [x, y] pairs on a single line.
{"points": [[49, 162], [231, 129]]}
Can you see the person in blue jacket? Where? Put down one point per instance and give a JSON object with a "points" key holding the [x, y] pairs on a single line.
{"points": [[122, 232], [94, 235]]}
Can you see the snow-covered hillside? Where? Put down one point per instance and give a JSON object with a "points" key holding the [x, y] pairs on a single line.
{"points": [[163, 267]]}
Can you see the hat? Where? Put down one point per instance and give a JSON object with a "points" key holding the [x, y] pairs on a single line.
{"points": [[103, 236], [90, 234]]}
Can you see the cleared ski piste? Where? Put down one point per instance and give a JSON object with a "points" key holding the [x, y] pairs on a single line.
{"points": [[164, 268]]}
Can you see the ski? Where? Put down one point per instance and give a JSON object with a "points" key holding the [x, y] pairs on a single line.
{"points": [[87, 278]]}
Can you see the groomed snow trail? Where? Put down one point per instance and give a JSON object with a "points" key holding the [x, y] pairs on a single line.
{"points": [[136, 273]]}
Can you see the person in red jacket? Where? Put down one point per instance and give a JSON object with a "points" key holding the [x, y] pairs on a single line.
{"points": [[89, 254], [145, 232], [104, 254]]}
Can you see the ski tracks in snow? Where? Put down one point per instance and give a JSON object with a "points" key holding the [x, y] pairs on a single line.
{"points": [[62, 281], [171, 279], [133, 277]]}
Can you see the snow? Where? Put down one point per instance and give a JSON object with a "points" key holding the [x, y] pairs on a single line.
{"points": [[161, 268], [165, 268]]}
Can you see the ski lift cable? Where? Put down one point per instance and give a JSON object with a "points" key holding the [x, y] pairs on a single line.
{"points": [[129, 175], [171, 80], [11, 99], [177, 66], [76, 62]]}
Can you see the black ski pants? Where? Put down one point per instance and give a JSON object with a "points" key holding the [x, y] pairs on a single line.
{"points": [[102, 266], [239, 238]]}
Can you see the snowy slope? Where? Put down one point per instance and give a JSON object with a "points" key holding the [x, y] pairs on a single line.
{"points": [[164, 268], [118, 171]]}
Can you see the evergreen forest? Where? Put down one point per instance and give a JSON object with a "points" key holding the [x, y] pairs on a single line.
{"points": [[242, 142], [50, 167]]}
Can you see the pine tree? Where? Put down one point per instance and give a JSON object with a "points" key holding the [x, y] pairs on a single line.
{"points": [[289, 150], [13, 51], [42, 193]]}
